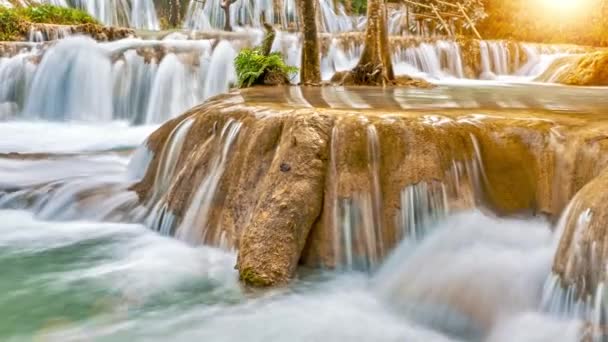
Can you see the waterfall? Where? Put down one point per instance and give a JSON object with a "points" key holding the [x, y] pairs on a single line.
{"points": [[438, 60], [139, 14], [245, 13], [193, 227], [133, 80], [150, 81], [469, 273], [159, 217], [72, 82], [143, 15], [339, 58], [335, 20], [209, 15], [422, 205], [174, 89], [357, 220], [220, 70], [486, 68]]}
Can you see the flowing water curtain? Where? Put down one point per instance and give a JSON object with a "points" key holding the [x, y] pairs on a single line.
{"points": [[103, 83], [65, 80], [335, 18], [139, 14], [206, 15]]}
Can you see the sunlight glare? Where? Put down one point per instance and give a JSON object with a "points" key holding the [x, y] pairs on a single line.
{"points": [[562, 5]]}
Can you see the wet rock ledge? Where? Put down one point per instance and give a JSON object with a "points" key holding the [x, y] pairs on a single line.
{"points": [[329, 177]]}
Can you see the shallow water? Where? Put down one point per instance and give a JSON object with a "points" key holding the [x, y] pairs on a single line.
{"points": [[74, 269], [79, 280]]}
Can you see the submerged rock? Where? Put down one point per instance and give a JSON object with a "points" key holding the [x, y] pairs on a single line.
{"points": [[291, 175]]}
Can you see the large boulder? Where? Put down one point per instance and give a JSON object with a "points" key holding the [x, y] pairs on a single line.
{"points": [[292, 175]]}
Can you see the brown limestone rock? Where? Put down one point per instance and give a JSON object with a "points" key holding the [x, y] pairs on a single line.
{"points": [[583, 249], [590, 69], [292, 168], [289, 204]]}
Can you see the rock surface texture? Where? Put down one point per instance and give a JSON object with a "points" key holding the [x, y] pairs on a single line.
{"points": [[333, 177]]}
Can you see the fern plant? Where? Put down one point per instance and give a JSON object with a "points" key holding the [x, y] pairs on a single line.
{"points": [[252, 66]]}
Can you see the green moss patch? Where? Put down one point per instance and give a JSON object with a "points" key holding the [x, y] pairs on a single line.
{"points": [[15, 22]]}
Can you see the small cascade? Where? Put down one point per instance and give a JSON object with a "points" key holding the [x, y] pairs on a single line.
{"points": [[193, 227], [219, 71], [143, 15], [150, 81], [133, 80], [339, 58], [425, 58], [422, 206], [44, 33], [101, 194], [157, 214], [477, 257], [210, 15], [174, 89], [335, 20], [139, 14], [358, 219], [444, 59], [72, 82]]}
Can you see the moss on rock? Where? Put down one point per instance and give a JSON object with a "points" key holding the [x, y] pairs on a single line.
{"points": [[16, 23]]}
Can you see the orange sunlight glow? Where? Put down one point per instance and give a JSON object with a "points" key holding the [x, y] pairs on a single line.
{"points": [[564, 7]]}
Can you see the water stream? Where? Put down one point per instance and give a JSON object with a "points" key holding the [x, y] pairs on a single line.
{"points": [[82, 258], [96, 272]]}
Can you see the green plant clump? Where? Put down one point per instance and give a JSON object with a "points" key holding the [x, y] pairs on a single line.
{"points": [[49, 14], [253, 67], [11, 25], [14, 21], [359, 6]]}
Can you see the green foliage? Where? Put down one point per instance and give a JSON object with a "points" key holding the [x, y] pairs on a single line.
{"points": [[50, 14], [359, 6], [11, 26], [14, 21], [251, 67]]}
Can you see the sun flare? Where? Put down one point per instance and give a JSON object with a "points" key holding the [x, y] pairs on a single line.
{"points": [[562, 5], [566, 7]]}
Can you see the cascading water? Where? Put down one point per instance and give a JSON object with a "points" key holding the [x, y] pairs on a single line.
{"points": [[210, 15], [109, 271], [196, 216], [449, 279], [134, 80], [147, 81], [139, 14], [454, 276]]}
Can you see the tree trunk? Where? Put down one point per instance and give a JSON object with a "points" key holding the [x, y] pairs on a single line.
{"points": [[174, 13], [375, 66], [268, 39], [310, 71], [348, 6], [226, 7]]}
